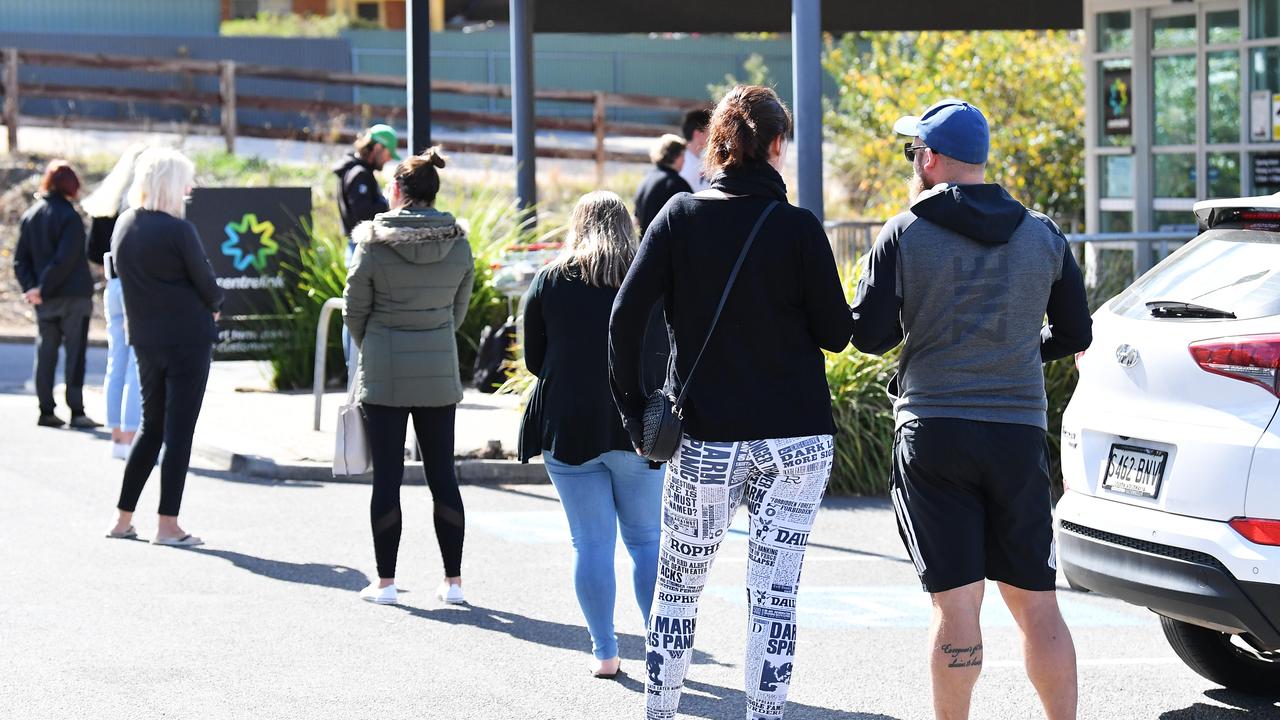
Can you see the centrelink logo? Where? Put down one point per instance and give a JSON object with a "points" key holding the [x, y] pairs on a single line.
{"points": [[267, 246]]}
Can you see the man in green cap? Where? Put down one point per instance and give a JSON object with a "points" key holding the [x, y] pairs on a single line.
{"points": [[359, 197]]}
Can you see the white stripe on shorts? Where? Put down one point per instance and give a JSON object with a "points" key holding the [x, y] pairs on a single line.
{"points": [[913, 546]]}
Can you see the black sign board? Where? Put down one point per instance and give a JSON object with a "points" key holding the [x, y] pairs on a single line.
{"points": [[1266, 173], [1117, 105], [247, 232]]}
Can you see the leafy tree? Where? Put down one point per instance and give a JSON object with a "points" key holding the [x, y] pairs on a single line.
{"points": [[757, 74], [1030, 85]]}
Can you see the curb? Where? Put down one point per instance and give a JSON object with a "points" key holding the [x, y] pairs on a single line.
{"points": [[468, 472]]}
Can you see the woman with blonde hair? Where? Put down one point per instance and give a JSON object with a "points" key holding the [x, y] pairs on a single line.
{"points": [[171, 301], [571, 421], [121, 385]]}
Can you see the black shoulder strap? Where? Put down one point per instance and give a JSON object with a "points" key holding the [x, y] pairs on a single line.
{"points": [[723, 297]]}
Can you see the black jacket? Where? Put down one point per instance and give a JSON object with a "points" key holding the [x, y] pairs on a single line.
{"points": [[660, 185], [170, 291], [571, 414], [51, 250], [359, 197], [763, 375]]}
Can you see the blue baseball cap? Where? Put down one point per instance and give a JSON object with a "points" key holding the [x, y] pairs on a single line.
{"points": [[951, 127]]}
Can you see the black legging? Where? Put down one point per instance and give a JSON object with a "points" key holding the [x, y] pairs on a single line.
{"points": [[386, 427], [172, 380]]}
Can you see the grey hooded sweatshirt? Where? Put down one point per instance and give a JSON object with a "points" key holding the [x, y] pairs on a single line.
{"points": [[965, 279], [407, 292]]}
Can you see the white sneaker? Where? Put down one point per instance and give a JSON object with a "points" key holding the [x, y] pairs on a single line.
{"points": [[120, 451], [450, 593], [381, 596]]}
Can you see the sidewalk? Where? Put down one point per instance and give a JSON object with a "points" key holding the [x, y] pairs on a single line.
{"points": [[246, 428]]}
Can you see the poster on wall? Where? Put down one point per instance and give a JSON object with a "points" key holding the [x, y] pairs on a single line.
{"points": [[1117, 108], [1260, 115], [1266, 173], [247, 232]]}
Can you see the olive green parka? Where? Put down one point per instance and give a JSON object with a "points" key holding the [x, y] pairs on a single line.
{"points": [[407, 292]]}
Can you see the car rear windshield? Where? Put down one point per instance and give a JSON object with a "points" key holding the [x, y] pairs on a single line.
{"points": [[1234, 269]]}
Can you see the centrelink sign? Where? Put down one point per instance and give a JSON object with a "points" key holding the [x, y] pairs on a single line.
{"points": [[247, 233]]}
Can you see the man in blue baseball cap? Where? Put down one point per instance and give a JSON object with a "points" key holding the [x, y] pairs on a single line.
{"points": [[967, 277]]}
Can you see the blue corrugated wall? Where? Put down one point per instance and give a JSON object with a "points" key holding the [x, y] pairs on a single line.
{"points": [[111, 17]]}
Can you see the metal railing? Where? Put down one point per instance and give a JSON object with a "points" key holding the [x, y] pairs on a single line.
{"points": [[322, 347], [1143, 245]]}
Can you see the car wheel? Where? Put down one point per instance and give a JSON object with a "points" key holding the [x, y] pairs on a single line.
{"points": [[1213, 655]]}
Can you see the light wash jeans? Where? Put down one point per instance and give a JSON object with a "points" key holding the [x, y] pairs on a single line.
{"points": [[615, 490], [121, 385]]}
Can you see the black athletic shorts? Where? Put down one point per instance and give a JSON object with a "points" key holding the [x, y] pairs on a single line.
{"points": [[973, 502]]}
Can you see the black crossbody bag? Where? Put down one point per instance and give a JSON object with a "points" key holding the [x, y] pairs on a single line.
{"points": [[663, 414]]}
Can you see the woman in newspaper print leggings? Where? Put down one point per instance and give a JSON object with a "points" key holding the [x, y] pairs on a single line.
{"points": [[758, 423]]}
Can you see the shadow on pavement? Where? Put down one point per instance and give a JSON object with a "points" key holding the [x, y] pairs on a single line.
{"points": [[339, 577], [250, 480], [730, 704], [1242, 705], [541, 632]]}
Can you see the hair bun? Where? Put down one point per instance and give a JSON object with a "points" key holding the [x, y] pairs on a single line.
{"points": [[434, 156]]}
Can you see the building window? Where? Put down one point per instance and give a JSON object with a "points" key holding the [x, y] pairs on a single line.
{"points": [[1174, 221], [1175, 175], [1264, 19], [1224, 175], [1174, 106], [1117, 176], [1173, 32], [1224, 96], [1115, 222], [1222, 27], [241, 9], [368, 11], [1115, 32]]}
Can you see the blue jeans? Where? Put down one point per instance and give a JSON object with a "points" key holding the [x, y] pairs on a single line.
{"points": [[121, 385], [615, 490]]}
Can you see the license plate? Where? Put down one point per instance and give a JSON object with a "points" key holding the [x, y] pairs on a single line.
{"points": [[1135, 470]]}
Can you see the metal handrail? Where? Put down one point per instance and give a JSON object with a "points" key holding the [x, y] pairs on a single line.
{"points": [[322, 346]]}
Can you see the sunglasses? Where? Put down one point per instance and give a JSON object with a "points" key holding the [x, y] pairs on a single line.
{"points": [[909, 150]]}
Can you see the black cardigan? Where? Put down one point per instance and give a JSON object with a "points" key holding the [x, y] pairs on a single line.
{"points": [[170, 290], [571, 414], [660, 185], [763, 375], [50, 253]]}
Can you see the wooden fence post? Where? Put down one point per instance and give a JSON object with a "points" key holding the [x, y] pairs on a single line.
{"points": [[227, 92], [597, 121], [11, 97]]}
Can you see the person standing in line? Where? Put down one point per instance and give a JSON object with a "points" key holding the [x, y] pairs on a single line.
{"points": [[570, 419], [967, 276], [694, 129], [171, 302], [407, 294], [50, 264], [663, 181], [121, 385], [359, 196], [360, 199], [757, 416]]}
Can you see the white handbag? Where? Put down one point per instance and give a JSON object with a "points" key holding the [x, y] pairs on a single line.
{"points": [[351, 445]]}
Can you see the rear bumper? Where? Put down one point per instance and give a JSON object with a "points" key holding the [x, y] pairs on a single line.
{"points": [[1183, 584]]}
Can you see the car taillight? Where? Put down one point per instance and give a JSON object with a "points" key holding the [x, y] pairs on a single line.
{"points": [[1251, 358], [1262, 532]]}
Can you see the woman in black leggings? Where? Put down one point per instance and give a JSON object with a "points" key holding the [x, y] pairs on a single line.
{"points": [[407, 292], [171, 301]]}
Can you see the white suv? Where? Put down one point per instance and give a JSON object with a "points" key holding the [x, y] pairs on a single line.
{"points": [[1171, 448]]}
